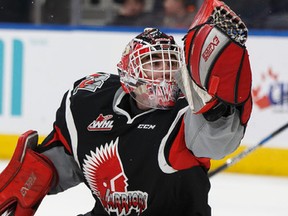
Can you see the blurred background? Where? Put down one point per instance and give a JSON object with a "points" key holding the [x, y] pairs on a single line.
{"points": [[259, 14]]}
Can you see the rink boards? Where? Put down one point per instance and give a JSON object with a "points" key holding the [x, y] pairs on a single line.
{"points": [[267, 161], [38, 64]]}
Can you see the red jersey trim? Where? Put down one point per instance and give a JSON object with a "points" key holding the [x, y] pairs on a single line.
{"points": [[58, 136], [180, 157]]}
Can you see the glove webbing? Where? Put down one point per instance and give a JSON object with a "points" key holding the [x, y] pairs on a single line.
{"points": [[230, 23]]}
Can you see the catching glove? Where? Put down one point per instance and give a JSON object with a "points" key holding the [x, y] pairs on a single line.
{"points": [[217, 63]]}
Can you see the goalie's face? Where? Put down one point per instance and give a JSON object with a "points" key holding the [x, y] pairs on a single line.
{"points": [[157, 87], [147, 69], [151, 77], [159, 66]]}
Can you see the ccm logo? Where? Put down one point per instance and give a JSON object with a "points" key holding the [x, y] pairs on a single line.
{"points": [[146, 126], [210, 48]]}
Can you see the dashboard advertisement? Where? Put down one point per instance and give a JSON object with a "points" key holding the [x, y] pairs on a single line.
{"points": [[38, 66]]}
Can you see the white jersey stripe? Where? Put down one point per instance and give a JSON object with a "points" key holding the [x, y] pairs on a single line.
{"points": [[164, 166], [71, 128]]}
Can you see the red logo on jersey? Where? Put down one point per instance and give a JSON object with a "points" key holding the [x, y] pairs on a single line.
{"points": [[92, 82], [210, 48], [102, 123], [104, 173]]}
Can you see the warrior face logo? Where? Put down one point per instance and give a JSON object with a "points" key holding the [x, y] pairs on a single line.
{"points": [[106, 178]]}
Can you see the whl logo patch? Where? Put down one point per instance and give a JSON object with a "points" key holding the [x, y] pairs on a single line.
{"points": [[101, 123]]}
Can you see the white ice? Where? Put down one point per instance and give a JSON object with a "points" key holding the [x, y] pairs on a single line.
{"points": [[230, 195]]}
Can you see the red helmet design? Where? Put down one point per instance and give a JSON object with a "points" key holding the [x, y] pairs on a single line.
{"points": [[147, 69]]}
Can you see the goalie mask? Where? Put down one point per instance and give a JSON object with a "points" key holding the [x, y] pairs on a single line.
{"points": [[147, 69]]}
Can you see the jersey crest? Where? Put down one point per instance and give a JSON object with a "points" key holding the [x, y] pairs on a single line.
{"points": [[105, 175], [92, 82], [101, 123]]}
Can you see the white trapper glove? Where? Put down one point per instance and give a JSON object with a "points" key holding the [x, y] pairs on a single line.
{"points": [[198, 99]]}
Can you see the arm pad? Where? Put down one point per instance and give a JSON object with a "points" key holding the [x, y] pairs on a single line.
{"points": [[27, 178]]}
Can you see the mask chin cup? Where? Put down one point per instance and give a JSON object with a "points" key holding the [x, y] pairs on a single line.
{"points": [[156, 96]]}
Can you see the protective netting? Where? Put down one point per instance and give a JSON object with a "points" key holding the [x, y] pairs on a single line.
{"points": [[229, 22]]}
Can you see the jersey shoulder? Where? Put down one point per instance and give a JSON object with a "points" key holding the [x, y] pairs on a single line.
{"points": [[96, 82]]}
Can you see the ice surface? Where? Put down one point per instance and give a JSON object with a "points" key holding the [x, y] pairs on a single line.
{"points": [[248, 195], [230, 195]]}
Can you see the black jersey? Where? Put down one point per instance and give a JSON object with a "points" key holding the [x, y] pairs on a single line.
{"points": [[134, 162]]}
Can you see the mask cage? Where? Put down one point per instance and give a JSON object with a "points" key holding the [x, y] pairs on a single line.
{"points": [[155, 63]]}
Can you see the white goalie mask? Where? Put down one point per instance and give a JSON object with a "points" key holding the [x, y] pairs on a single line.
{"points": [[147, 69]]}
